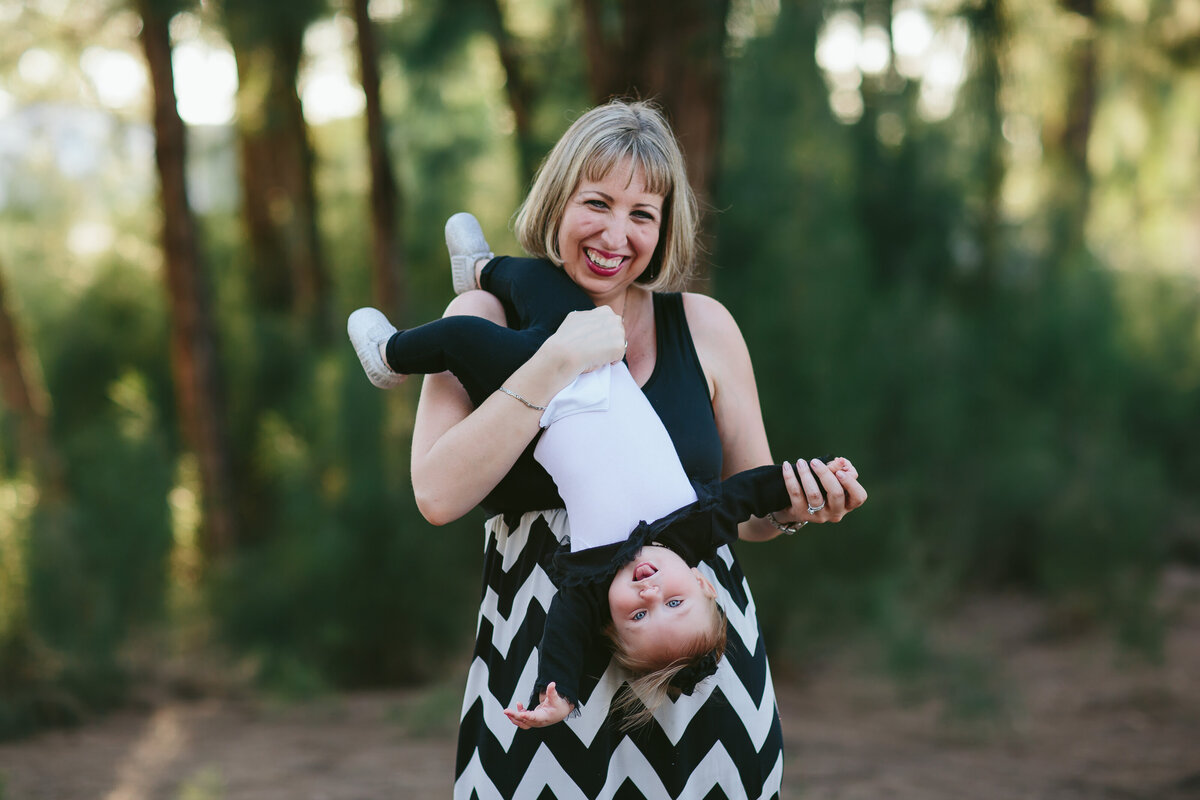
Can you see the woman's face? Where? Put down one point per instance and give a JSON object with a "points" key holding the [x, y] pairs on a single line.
{"points": [[609, 231], [659, 604]]}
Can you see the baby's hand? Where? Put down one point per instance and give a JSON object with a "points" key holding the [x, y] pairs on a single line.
{"points": [[552, 709]]}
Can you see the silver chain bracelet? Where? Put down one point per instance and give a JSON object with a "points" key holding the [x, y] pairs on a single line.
{"points": [[511, 393], [789, 528]]}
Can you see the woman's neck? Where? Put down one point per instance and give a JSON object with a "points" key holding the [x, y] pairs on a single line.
{"points": [[626, 303], [638, 316], [617, 302]]}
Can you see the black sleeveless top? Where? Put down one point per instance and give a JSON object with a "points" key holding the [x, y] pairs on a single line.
{"points": [[678, 392]]}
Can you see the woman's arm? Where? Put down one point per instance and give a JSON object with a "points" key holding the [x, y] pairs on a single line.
{"points": [[726, 363], [460, 453]]}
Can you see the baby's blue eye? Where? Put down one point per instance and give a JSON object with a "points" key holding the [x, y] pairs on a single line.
{"points": [[638, 615], [674, 603]]}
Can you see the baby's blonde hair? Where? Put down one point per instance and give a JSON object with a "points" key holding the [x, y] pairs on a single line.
{"points": [[650, 683]]}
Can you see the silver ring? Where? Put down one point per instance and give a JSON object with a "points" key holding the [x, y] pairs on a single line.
{"points": [[812, 510]]}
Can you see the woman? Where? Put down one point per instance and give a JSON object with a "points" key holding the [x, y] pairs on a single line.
{"points": [[612, 207]]}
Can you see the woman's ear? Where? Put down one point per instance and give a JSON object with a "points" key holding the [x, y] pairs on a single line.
{"points": [[705, 585]]}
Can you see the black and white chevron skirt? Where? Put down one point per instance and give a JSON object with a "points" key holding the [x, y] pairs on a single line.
{"points": [[723, 741]]}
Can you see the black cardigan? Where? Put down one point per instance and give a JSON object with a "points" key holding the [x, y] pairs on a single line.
{"points": [[579, 610]]}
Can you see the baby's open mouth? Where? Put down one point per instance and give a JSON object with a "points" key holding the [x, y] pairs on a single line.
{"points": [[643, 571]]}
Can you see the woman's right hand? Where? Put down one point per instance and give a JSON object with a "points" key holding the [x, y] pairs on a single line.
{"points": [[587, 340]]}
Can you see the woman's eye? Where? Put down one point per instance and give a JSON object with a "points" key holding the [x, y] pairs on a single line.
{"points": [[674, 603], [637, 615], [646, 215], [596, 203]]}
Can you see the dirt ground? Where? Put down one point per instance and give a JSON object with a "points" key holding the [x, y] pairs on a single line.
{"points": [[1025, 715]]}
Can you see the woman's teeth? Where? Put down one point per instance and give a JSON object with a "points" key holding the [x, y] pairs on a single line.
{"points": [[601, 261]]}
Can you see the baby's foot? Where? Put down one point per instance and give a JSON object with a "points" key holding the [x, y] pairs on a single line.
{"points": [[369, 332], [469, 251]]}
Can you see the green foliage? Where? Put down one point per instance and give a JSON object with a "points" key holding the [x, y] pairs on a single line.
{"points": [[1018, 422], [257, 23], [334, 557], [347, 584], [453, 126], [95, 563], [1004, 434]]}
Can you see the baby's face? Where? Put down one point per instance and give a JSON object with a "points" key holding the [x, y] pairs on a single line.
{"points": [[659, 604]]}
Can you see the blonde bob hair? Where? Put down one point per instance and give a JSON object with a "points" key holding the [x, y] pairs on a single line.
{"points": [[599, 141], [649, 684]]}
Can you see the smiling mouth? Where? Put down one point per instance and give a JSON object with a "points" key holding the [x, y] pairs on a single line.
{"points": [[644, 570], [605, 264]]}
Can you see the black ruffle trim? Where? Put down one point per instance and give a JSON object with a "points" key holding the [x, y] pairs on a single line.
{"points": [[686, 679], [535, 699]]}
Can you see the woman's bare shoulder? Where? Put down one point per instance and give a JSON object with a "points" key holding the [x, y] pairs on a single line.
{"points": [[709, 321], [718, 342]]}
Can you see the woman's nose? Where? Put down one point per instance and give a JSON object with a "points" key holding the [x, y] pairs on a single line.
{"points": [[648, 588], [615, 235]]}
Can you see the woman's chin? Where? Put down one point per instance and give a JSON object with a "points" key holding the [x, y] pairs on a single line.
{"points": [[595, 282]]}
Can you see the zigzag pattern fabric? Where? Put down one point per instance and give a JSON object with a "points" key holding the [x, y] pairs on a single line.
{"points": [[723, 741]]}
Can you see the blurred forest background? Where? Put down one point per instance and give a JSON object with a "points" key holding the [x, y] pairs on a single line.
{"points": [[962, 239]]}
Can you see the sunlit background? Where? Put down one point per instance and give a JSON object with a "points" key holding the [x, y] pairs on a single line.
{"points": [[961, 238]]}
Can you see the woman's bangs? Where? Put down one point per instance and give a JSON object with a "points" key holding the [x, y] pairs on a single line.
{"points": [[656, 170], [615, 151]]}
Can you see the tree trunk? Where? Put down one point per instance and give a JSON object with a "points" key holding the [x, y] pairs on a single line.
{"points": [[289, 274], [670, 51], [387, 269], [988, 24], [1066, 147], [193, 338], [520, 95], [23, 394]]}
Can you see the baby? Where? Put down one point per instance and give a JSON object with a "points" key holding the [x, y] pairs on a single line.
{"points": [[633, 580]]}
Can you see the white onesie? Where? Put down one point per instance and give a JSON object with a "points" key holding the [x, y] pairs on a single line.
{"points": [[611, 457]]}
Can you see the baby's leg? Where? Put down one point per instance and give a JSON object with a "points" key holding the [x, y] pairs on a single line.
{"points": [[535, 293], [480, 353], [536, 297]]}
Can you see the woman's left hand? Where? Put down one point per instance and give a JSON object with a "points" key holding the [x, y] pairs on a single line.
{"points": [[839, 478]]}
